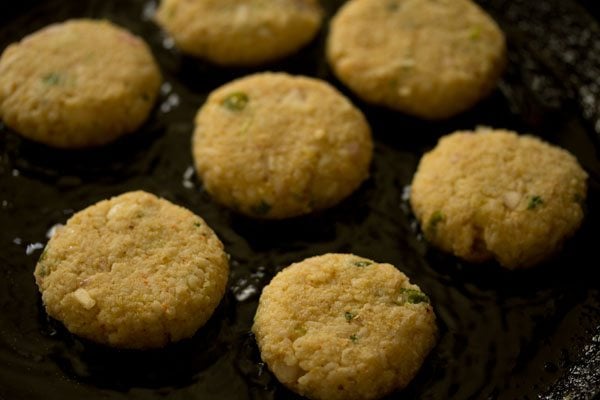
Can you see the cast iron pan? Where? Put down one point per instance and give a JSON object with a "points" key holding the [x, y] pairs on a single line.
{"points": [[504, 335]]}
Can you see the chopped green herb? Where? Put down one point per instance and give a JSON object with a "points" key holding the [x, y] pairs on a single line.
{"points": [[534, 202], [435, 219], [407, 63], [349, 316], [261, 208], [362, 263], [42, 271], [43, 255], [412, 296], [51, 79], [392, 6], [475, 33], [301, 330], [236, 101], [197, 224], [246, 126], [354, 338]]}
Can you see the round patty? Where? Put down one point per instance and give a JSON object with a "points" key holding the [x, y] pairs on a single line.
{"points": [[77, 84], [272, 145], [428, 58], [240, 32], [134, 271], [494, 194], [339, 326]]}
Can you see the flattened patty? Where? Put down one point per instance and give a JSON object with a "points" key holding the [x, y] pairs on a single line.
{"points": [[492, 194], [134, 271]]}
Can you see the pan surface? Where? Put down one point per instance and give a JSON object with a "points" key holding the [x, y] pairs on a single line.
{"points": [[504, 335]]}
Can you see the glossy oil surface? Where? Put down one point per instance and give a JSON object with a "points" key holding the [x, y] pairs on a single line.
{"points": [[504, 334]]}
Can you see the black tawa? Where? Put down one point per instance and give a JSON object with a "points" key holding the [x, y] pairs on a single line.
{"points": [[504, 335]]}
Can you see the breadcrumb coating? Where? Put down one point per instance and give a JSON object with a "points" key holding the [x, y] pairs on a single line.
{"points": [[428, 58], [493, 194], [273, 145], [339, 326], [134, 271], [76, 84], [240, 32]]}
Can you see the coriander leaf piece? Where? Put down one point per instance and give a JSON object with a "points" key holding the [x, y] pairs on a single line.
{"points": [[51, 79], [261, 208], [43, 271], [392, 6], [43, 255], [534, 202], [434, 220]]}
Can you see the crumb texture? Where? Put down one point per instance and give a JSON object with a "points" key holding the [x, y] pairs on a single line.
{"points": [[77, 84], [428, 58], [339, 326], [273, 145], [493, 194], [134, 271], [240, 32]]}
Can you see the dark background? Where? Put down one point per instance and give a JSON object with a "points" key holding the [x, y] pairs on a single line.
{"points": [[504, 335]]}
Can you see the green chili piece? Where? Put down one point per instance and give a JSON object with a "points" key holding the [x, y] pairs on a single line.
{"points": [[412, 296], [236, 101], [301, 330], [475, 33], [362, 263]]}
